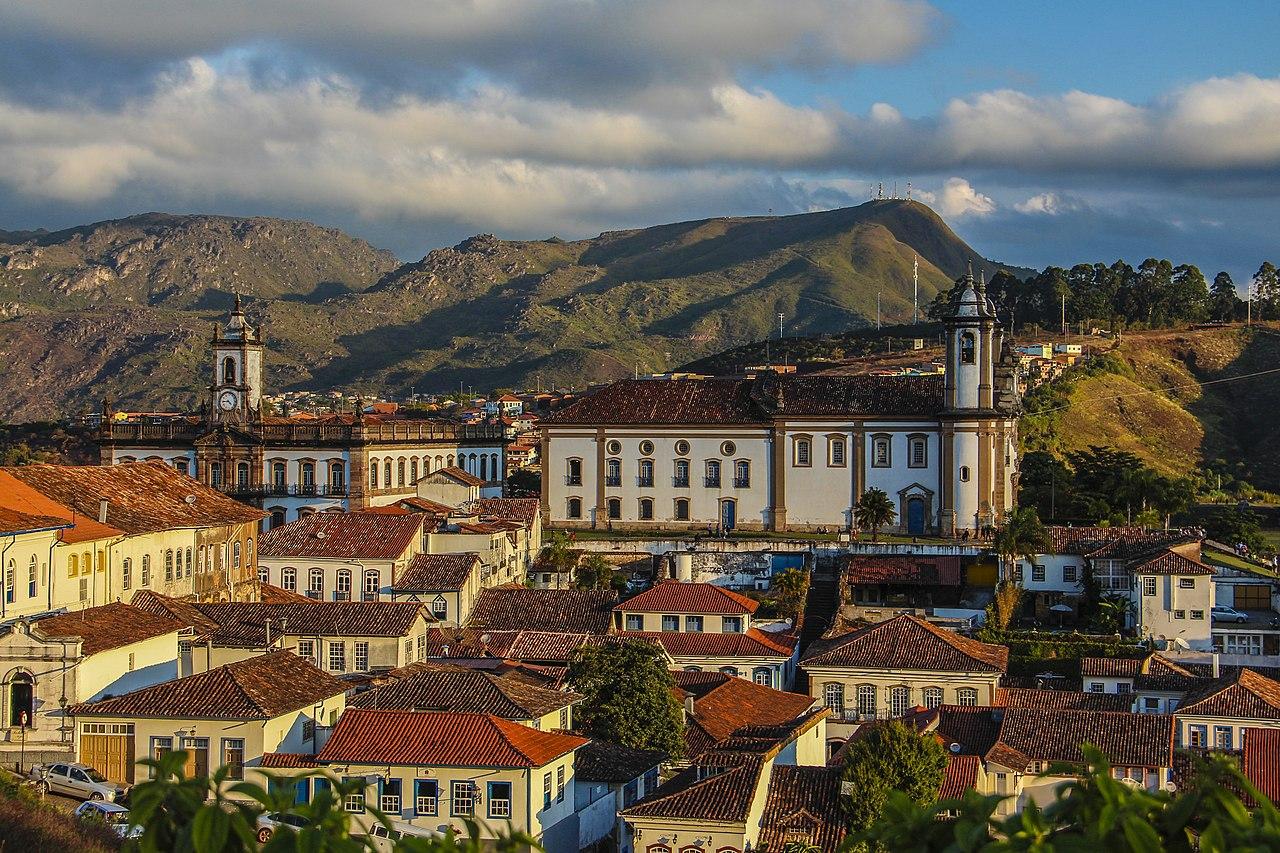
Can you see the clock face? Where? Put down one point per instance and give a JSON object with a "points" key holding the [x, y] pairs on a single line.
{"points": [[227, 400]]}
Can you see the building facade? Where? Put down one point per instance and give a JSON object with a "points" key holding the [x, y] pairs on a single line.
{"points": [[296, 465], [788, 452]]}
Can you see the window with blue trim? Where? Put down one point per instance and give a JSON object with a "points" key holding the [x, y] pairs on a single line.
{"points": [[426, 797], [500, 800]]}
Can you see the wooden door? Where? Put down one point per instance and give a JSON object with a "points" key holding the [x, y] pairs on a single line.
{"points": [[110, 755]]}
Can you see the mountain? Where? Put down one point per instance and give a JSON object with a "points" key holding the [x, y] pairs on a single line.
{"points": [[123, 307]]}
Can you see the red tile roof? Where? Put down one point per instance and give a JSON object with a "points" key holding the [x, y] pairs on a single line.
{"points": [[343, 535], [803, 803], [960, 775], [908, 642], [671, 596], [550, 646], [437, 572], [975, 728], [269, 594], [601, 761], [109, 626], [242, 623], [1260, 760], [751, 643], [1040, 734], [725, 797], [442, 739], [724, 704], [13, 521], [522, 510], [1246, 695], [571, 611], [1066, 700], [1154, 672], [436, 687], [142, 497], [16, 496], [1170, 563], [287, 760], [912, 571], [256, 688], [456, 473]]}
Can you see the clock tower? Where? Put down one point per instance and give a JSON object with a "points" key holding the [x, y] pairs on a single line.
{"points": [[236, 392]]}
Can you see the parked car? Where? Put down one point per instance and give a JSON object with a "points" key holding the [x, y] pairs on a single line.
{"points": [[113, 815], [384, 839], [76, 780], [1222, 613], [269, 823]]}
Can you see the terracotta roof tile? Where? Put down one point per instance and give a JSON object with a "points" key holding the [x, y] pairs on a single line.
{"points": [[284, 760], [245, 623], [673, 596], [1169, 563], [256, 688], [185, 612], [1260, 760], [344, 535], [751, 643], [1245, 695], [908, 642], [724, 705], [522, 510], [600, 761], [539, 646], [12, 521], [457, 689], [141, 496], [33, 508], [455, 473], [960, 775], [572, 611], [975, 728], [725, 797], [803, 802], [913, 571], [1127, 740], [1154, 672], [436, 572], [446, 739], [269, 594], [109, 626], [1065, 700]]}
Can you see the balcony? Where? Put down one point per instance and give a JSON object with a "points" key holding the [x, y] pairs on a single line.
{"points": [[573, 480], [680, 482], [342, 595], [371, 596], [315, 594], [742, 482], [613, 481], [644, 482], [184, 430], [712, 482]]}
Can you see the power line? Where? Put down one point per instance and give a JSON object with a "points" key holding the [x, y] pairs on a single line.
{"points": [[1165, 388]]}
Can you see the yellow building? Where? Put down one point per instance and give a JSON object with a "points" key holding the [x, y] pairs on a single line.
{"points": [[447, 583], [432, 769], [229, 716], [1215, 714], [886, 669]]}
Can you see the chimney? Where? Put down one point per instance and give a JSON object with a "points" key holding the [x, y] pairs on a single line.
{"points": [[688, 706], [1217, 670], [102, 510]]}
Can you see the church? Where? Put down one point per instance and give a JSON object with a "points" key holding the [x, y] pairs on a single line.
{"points": [[298, 465], [781, 452]]}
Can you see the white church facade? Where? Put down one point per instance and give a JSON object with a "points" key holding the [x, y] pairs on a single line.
{"points": [[795, 452], [294, 466]]}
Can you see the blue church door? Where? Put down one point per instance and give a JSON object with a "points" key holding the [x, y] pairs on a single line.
{"points": [[915, 516], [728, 515]]}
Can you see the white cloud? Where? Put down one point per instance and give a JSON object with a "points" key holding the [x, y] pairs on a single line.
{"points": [[1049, 204], [958, 199]]}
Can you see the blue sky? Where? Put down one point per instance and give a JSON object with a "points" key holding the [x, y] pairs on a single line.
{"points": [[1043, 132]]}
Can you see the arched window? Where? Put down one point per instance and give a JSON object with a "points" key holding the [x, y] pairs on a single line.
{"points": [[373, 474], [264, 576], [439, 462], [899, 700], [342, 591], [484, 467], [10, 581], [742, 474], [574, 509], [964, 473], [693, 669], [229, 371], [31, 577], [646, 509], [450, 460], [682, 509], [400, 471], [248, 548], [968, 348], [881, 451], [731, 671], [180, 465], [372, 585], [439, 607], [235, 555], [967, 696], [126, 573], [146, 570], [613, 472], [836, 452], [833, 696], [713, 473], [242, 474], [86, 563], [279, 479], [22, 696], [277, 517], [867, 699], [413, 470], [73, 565], [932, 697], [645, 477], [917, 452], [337, 477], [386, 474], [215, 474], [307, 475], [615, 508], [189, 562], [315, 583], [168, 566], [426, 465], [804, 452], [289, 579], [762, 675]]}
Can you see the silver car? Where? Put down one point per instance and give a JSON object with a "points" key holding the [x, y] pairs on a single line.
{"points": [[113, 815], [76, 780]]}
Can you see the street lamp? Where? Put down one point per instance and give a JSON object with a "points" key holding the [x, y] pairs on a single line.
{"points": [[23, 720]]}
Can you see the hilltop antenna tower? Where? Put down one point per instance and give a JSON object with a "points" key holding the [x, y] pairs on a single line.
{"points": [[908, 191], [915, 282]]}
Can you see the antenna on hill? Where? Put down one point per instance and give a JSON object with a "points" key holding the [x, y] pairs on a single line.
{"points": [[895, 189], [880, 190], [908, 191]]}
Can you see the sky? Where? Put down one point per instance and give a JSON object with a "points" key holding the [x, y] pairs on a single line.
{"points": [[1045, 133]]}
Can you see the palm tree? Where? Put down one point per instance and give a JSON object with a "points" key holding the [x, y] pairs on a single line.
{"points": [[874, 510], [1021, 535]]}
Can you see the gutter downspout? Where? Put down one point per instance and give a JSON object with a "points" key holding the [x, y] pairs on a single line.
{"points": [[52, 573], [4, 600]]}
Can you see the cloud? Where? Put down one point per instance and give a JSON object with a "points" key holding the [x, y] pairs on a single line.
{"points": [[1049, 204], [958, 199]]}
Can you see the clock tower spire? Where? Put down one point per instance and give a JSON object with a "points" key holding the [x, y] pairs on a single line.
{"points": [[236, 392]]}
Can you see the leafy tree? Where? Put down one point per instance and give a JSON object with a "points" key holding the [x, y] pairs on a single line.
{"points": [[791, 586], [1044, 483], [595, 572], [1223, 298], [197, 815], [628, 696], [1110, 613], [557, 552], [873, 511], [891, 758], [1237, 525], [522, 481], [1189, 295], [1094, 813], [1021, 535], [1266, 291]]}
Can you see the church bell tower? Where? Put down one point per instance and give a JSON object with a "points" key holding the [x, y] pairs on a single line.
{"points": [[236, 392]]}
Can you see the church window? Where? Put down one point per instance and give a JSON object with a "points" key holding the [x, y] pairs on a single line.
{"points": [[918, 452], [646, 509], [968, 348], [742, 474], [615, 508], [229, 370], [804, 452], [682, 509], [373, 474], [713, 474], [836, 452], [242, 474], [215, 474], [964, 473], [484, 467], [613, 472], [413, 470], [450, 460], [289, 579], [881, 456], [400, 472], [573, 473], [575, 507], [386, 474]]}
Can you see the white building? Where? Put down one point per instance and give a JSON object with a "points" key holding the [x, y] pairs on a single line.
{"points": [[784, 452], [296, 465]]}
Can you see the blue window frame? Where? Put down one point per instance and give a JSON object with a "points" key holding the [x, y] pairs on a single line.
{"points": [[500, 800], [426, 797], [302, 791]]}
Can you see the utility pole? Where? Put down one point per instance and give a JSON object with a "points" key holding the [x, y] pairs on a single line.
{"points": [[915, 281], [1064, 315], [780, 335]]}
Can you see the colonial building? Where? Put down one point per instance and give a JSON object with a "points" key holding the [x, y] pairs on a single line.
{"points": [[785, 452], [295, 465]]}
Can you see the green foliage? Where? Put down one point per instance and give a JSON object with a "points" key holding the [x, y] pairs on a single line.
{"points": [[1223, 299], [1102, 484], [791, 585], [556, 551], [628, 696], [1094, 814], [524, 483], [890, 758], [201, 815], [595, 572], [29, 823], [1236, 525], [873, 511]]}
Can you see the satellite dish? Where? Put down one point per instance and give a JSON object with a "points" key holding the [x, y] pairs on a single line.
{"points": [[955, 748], [1171, 787], [484, 638], [191, 499], [320, 534]]}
